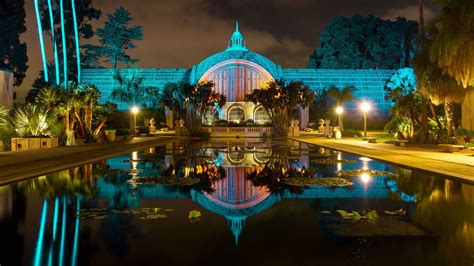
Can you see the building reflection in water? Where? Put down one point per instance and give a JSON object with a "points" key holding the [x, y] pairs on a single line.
{"points": [[234, 197]]}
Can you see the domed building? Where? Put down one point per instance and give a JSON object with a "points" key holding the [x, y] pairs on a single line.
{"points": [[237, 71]]}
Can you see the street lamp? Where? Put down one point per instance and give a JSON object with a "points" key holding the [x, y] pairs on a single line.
{"points": [[133, 119], [339, 111], [365, 107]]}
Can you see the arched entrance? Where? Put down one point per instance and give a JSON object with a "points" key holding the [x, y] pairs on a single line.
{"points": [[260, 116], [236, 114], [236, 78]]}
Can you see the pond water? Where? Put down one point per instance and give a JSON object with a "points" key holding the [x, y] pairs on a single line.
{"points": [[237, 203]]}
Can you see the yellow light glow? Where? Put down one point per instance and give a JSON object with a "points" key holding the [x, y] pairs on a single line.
{"points": [[365, 159], [365, 178], [365, 107], [339, 110], [134, 109]]}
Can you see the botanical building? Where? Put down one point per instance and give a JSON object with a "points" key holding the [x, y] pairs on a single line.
{"points": [[237, 71]]}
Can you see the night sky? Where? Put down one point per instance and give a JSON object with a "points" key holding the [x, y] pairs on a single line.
{"points": [[180, 33]]}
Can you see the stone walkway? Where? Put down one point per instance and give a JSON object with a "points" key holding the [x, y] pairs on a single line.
{"points": [[456, 165], [16, 166]]}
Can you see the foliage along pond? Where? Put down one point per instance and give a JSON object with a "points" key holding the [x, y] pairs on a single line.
{"points": [[237, 203]]}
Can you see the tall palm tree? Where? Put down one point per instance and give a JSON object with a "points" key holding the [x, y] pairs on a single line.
{"points": [[452, 47], [341, 96], [131, 89], [69, 109], [443, 89], [90, 97], [49, 97], [281, 99]]}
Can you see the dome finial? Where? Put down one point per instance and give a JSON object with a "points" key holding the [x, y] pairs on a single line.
{"points": [[237, 41]]}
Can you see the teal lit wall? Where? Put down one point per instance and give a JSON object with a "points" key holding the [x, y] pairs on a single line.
{"points": [[369, 83]]}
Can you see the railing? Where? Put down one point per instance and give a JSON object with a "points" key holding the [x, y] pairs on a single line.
{"points": [[238, 131]]}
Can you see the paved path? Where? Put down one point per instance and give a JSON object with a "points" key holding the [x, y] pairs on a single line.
{"points": [[457, 165], [16, 166]]}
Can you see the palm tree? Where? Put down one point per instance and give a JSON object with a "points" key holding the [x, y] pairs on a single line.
{"points": [[173, 97], [199, 98], [49, 97], [91, 97], [69, 109], [442, 89], [131, 89], [281, 100], [452, 47], [341, 96], [34, 120]]}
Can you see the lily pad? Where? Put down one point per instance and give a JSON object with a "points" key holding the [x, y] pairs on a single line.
{"points": [[194, 214], [359, 172], [332, 161], [356, 217], [345, 215], [325, 182], [156, 216], [400, 212], [372, 215]]}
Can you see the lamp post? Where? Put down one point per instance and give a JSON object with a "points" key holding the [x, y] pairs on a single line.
{"points": [[339, 111], [133, 119], [365, 107]]}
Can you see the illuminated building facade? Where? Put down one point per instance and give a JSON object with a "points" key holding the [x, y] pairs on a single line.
{"points": [[237, 71]]}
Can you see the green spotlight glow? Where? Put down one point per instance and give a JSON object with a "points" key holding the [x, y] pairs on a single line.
{"points": [[40, 33]]}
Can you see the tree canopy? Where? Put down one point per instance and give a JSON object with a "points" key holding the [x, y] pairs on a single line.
{"points": [[366, 42], [132, 90], [190, 102], [453, 45], [85, 13], [117, 37], [281, 100], [13, 54]]}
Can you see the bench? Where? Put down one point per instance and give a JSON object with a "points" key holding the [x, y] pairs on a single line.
{"points": [[451, 147], [400, 143], [371, 139]]}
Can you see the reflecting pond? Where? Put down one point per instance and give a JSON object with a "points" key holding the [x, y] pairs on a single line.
{"points": [[237, 203]]}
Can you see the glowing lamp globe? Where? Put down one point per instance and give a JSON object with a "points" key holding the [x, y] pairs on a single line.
{"points": [[339, 110], [134, 109], [365, 107]]}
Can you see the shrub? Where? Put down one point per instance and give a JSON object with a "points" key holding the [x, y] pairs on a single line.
{"points": [[222, 123], [249, 122]]}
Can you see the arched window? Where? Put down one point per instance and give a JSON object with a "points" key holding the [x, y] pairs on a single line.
{"points": [[260, 116], [235, 78], [236, 114]]}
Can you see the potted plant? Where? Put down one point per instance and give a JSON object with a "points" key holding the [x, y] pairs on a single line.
{"points": [[110, 133]]}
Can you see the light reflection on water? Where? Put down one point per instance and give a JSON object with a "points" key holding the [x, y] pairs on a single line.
{"points": [[243, 202]]}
